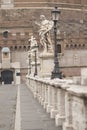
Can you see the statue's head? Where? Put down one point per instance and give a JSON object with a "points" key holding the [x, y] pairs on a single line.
{"points": [[42, 17]]}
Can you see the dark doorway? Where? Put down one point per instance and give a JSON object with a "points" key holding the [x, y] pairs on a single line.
{"points": [[7, 76]]}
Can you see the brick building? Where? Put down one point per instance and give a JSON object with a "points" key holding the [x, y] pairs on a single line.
{"points": [[17, 24]]}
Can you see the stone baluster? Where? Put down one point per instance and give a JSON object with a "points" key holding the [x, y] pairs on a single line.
{"points": [[54, 110], [30, 84], [33, 84], [35, 90], [43, 94], [60, 117], [68, 112], [49, 106], [40, 91], [46, 96]]}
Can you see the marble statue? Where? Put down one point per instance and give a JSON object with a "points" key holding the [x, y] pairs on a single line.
{"points": [[32, 41], [44, 32], [33, 47]]}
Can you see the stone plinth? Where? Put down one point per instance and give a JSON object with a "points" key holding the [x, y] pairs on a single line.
{"points": [[84, 76], [46, 60], [76, 108]]}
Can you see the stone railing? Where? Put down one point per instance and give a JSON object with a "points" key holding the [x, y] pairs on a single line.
{"points": [[65, 101]]}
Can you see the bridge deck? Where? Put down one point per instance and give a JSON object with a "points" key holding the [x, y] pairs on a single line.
{"points": [[30, 115], [33, 116], [8, 94]]}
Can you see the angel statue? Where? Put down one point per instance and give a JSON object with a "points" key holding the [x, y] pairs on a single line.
{"points": [[44, 33], [32, 41], [33, 47]]}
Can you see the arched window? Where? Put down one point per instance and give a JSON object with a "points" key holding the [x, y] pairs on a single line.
{"points": [[20, 47], [75, 45], [5, 34], [0, 47], [28, 47], [71, 46], [11, 48], [24, 47], [83, 45], [67, 46], [15, 48]]}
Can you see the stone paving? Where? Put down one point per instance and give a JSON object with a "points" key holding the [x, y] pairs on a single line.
{"points": [[33, 116], [8, 95]]}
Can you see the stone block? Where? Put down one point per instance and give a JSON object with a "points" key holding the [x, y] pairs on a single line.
{"points": [[67, 127], [59, 120], [45, 105], [83, 76], [49, 108], [53, 113]]}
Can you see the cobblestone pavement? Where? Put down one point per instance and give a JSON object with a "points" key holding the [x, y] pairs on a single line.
{"points": [[8, 95], [33, 116]]}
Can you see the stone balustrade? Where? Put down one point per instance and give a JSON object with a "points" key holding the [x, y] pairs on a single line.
{"points": [[65, 101]]}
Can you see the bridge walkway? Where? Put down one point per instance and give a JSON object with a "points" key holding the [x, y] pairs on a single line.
{"points": [[33, 116], [19, 110]]}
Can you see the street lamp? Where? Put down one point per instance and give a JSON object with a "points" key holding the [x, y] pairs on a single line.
{"points": [[29, 56], [56, 71], [35, 51]]}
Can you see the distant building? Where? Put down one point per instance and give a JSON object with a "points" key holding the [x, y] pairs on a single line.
{"points": [[17, 24]]}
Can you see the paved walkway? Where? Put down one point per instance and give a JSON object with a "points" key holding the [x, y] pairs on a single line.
{"points": [[30, 115], [33, 116], [8, 95]]}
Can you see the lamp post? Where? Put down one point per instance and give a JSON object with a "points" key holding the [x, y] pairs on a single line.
{"points": [[35, 51], [29, 56], [56, 71]]}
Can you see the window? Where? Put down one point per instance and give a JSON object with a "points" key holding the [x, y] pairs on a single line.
{"points": [[5, 34]]}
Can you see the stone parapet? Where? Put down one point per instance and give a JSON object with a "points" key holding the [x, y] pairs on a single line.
{"points": [[65, 101]]}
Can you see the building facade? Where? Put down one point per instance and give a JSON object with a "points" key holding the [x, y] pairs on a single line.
{"points": [[17, 24]]}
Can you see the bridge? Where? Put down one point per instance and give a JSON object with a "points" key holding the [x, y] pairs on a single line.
{"points": [[43, 104], [20, 111]]}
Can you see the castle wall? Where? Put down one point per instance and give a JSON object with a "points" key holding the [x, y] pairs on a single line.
{"points": [[20, 24]]}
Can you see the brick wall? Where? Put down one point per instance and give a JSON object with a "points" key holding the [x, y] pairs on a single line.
{"points": [[46, 3], [73, 24]]}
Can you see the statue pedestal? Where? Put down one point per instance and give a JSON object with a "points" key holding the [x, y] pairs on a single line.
{"points": [[47, 63]]}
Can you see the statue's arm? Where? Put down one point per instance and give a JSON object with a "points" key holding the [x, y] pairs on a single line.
{"points": [[38, 23]]}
